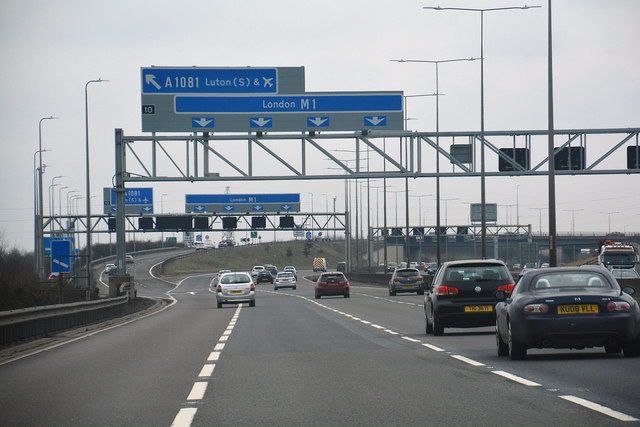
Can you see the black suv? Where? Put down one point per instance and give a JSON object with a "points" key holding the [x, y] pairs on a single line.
{"points": [[272, 269], [264, 276], [463, 294]]}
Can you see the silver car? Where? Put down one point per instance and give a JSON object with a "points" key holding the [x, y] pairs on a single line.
{"points": [[235, 287], [286, 279]]}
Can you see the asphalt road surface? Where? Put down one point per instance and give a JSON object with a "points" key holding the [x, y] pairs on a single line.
{"points": [[295, 360]]}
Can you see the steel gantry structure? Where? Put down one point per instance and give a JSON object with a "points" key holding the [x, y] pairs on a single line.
{"points": [[401, 154]]}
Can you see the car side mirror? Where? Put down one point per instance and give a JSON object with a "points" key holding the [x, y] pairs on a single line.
{"points": [[628, 290], [501, 295]]}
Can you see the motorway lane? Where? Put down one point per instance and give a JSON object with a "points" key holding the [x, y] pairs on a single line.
{"points": [[296, 360]]}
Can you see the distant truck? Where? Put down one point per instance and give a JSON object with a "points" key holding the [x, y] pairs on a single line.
{"points": [[319, 264], [617, 255]]}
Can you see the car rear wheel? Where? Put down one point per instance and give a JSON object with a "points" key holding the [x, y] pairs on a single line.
{"points": [[633, 349], [517, 351], [346, 295], [275, 288], [252, 303], [293, 287], [421, 292], [438, 329], [392, 292], [501, 346], [219, 305], [612, 348]]}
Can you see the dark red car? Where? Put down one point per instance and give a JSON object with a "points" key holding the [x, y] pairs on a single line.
{"points": [[332, 283]]}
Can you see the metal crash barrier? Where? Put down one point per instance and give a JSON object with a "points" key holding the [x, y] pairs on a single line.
{"points": [[33, 322]]}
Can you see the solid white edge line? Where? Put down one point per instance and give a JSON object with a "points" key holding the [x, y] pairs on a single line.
{"points": [[198, 390], [207, 370], [184, 417], [467, 360], [516, 378], [599, 408]]}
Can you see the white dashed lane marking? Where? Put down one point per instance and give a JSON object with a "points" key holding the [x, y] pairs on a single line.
{"points": [[579, 401]]}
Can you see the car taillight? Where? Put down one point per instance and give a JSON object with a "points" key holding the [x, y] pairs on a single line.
{"points": [[396, 279], [506, 288], [252, 287], [536, 308], [618, 306], [344, 282], [219, 288], [419, 278], [446, 290]]}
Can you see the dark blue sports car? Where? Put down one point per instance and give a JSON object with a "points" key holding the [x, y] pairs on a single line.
{"points": [[567, 307]]}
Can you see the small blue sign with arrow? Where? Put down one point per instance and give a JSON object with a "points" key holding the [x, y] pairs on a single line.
{"points": [[261, 122], [375, 120], [203, 122], [317, 122]]}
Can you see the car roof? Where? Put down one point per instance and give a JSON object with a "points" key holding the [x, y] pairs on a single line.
{"points": [[474, 261]]}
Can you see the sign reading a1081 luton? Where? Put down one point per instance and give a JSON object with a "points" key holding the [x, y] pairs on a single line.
{"points": [[248, 99]]}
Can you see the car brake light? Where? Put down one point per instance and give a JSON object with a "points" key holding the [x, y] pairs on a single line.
{"points": [[446, 290], [536, 308], [252, 287], [219, 288], [419, 278], [618, 306], [396, 279], [506, 288]]}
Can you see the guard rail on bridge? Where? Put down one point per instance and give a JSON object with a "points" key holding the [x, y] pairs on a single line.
{"points": [[32, 322]]}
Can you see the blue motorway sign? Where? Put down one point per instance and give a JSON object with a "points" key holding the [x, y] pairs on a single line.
{"points": [[61, 256], [47, 245], [232, 203], [136, 201], [192, 80], [326, 103]]}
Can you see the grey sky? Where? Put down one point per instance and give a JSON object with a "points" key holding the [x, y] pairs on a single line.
{"points": [[50, 49]]}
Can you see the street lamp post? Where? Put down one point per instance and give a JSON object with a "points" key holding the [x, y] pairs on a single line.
{"points": [[482, 142], [573, 219], [52, 196], [437, 96], [609, 213], [36, 209], [40, 214], [88, 197], [162, 211], [540, 214]]}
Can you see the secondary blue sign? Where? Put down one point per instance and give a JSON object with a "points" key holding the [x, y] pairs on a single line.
{"points": [[344, 103], [135, 196], [209, 80], [61, 256]]}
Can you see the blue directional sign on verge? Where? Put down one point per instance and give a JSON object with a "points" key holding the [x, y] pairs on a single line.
{"points": [[231, 203], [61, 257]]}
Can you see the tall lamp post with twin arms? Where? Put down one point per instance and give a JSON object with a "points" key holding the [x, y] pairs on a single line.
{"points": [[39, 249], [88, 197], [482, 142], [437, 95]]}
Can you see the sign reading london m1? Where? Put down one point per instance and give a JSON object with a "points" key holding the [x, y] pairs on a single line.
{"points": [[258, 100], [241, 203]]}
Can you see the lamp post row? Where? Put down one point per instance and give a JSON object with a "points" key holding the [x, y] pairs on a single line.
{"points": [[38, 197]]}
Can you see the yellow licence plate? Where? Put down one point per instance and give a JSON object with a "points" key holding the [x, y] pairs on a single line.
{"points": [[578, 309], [477, 308], [409, 286], [235, 292]]}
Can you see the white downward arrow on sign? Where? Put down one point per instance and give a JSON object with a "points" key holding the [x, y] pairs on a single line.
{"points": [[202, 122], [151, 79], [317, 121], [375, 120], [261, 121]]}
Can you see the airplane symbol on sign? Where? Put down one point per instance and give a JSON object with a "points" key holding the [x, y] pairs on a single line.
{"points": [[268, 82]]}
